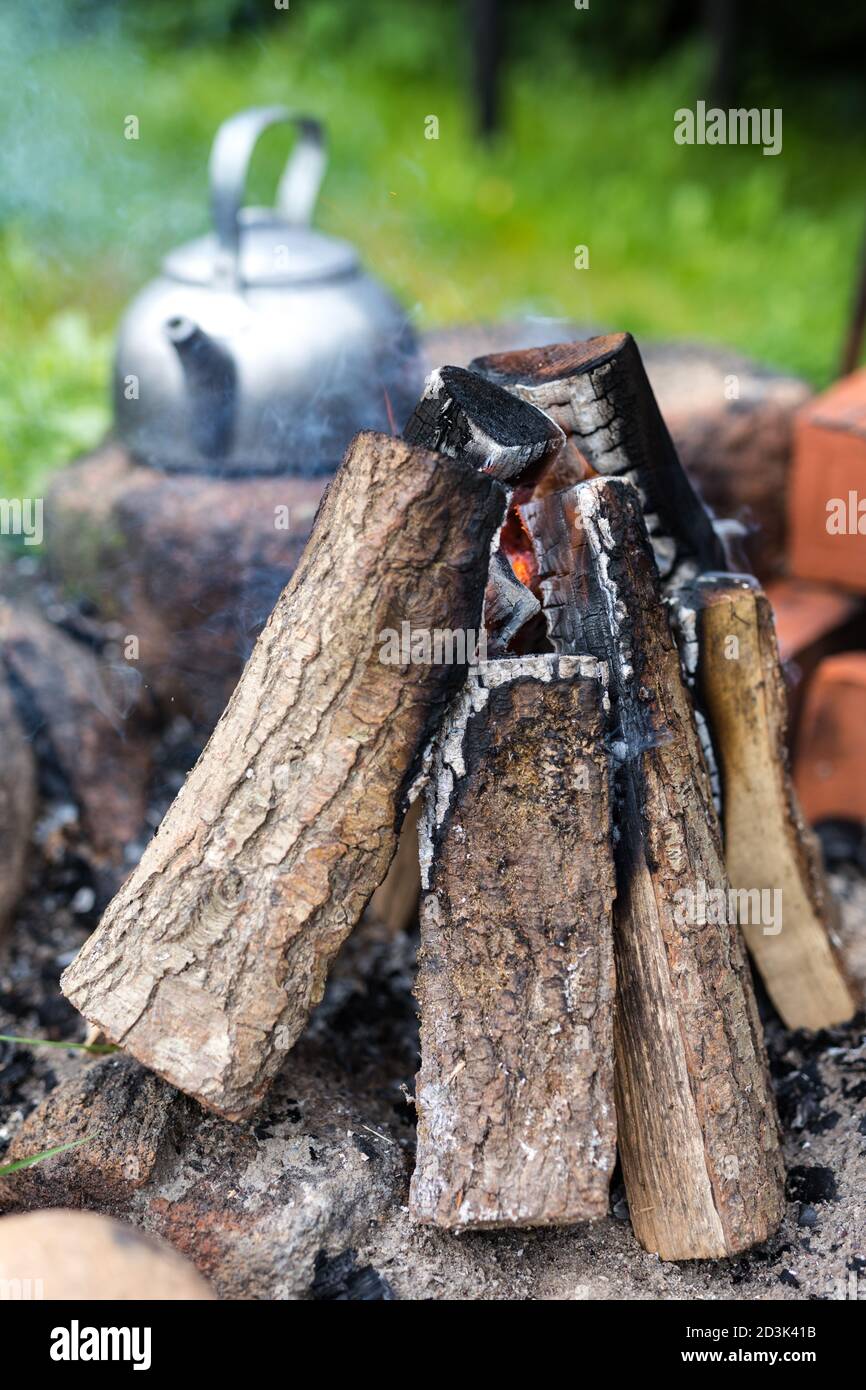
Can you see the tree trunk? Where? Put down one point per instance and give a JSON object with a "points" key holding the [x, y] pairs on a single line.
{"points": [[767, 845], [516, 1121], [698, 1133], [208, 961]]}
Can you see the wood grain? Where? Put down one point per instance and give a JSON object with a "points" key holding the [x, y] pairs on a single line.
{"points": [[516, 1118], [207, 963]]}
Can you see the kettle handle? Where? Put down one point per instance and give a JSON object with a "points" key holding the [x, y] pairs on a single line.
{"points": [[229, 161]]}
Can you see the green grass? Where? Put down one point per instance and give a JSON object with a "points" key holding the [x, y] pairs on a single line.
{"points": [[97, 1049], [6, 1168], [717, 243]]}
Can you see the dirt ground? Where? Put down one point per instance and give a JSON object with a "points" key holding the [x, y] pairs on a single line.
{"points": [[309, 1200]]}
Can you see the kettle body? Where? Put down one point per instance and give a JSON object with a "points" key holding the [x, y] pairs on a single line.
{"points": [[263, 346]]}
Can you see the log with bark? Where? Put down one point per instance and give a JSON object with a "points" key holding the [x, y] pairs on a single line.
{"points": [[516, 1119], [697, 1126], [768, 848], [598, 393], [207, 963]]}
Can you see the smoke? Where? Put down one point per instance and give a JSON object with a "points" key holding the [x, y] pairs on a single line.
{"points": [[73, 183]]}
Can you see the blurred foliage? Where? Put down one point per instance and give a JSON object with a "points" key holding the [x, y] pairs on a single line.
{"points": [[718, 243]]}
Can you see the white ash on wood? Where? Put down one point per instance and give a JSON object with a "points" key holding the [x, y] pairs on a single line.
{"points": [[464, 416], [516, 1118], [207, 963], [698, 1133]]}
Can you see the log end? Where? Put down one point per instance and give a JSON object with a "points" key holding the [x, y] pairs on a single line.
{"points": [[539, 366]]}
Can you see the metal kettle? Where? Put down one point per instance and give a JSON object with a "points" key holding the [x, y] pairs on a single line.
{"points": [[263, 346]]}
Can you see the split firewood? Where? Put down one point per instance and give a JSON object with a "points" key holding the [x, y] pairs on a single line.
{"points": [[208, 961], [394, 905], [598, 393], [768, 849], [698, 1134], [464, 416], [508, 605], [516, 1119], [17, 802], [78, 723]]}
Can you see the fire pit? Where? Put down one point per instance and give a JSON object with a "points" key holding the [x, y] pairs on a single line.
{"points": [[587, 775], [603, 756]]}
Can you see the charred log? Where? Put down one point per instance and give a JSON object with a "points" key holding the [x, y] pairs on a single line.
{"points": [[697, 1126], [464, 416], [598, 393]]}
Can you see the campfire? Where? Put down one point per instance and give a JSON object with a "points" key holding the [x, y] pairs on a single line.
{"points": [[603, 811]]}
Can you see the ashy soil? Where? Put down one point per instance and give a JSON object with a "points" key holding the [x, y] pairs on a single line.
{"points": [[308, 1200]]}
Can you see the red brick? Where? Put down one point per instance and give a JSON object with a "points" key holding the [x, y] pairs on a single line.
{"points": [[830, 467], [830, 765]]}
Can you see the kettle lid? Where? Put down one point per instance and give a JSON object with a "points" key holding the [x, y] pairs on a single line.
{"points": [[263, 246], [270, 252]]}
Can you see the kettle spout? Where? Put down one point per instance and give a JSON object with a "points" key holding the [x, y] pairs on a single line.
{"points": [[211, 381]]}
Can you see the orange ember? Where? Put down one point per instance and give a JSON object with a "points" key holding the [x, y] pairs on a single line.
{"points": [[522, 568]]}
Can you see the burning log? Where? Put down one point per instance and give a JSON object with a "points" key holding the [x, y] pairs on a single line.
{"points": [[463, 416], [698, 1133], [599, 395], [508, 605], [516, 1122], [767, 845], [208, 961], [17, 803]]}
